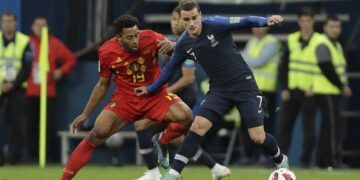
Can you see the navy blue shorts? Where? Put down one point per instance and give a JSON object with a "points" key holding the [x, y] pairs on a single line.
{"points": [[252, 107]]}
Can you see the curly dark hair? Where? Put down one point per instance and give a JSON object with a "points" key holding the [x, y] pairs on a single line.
{"points": [[124, 21]]}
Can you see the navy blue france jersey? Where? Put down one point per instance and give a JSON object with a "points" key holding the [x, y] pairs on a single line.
{"points": [[214, 49]]}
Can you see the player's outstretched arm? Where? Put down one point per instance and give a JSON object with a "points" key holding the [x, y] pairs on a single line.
{"points": [[97, 95], [168, 71], [234, 23]]}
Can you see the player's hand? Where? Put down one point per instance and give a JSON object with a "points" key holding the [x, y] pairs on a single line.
{"points": [[78, 121], [166, 46], [6, 87], [57, 75], [285, 95], [346, 91], [309, 93], [275, 19], [140, 91]]}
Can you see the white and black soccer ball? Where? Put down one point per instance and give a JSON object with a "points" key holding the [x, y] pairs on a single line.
{"points": [[282, 174]]}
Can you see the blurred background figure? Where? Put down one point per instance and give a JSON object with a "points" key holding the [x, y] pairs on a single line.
{"points": [[15, 65], [296, 74], [262, 54], [329, 86], [183, 81], [61, 62], [114, 144]]}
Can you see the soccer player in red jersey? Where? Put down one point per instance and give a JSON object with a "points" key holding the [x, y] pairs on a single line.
{"points": [[131, 57]]}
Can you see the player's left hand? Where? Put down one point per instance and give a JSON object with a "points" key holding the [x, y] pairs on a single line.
{"points": [[166, 46], [140, 91], [274, 19], [57, 74]]}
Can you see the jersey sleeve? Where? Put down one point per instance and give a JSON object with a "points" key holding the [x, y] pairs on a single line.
{"points": [[104, 65], [234, 23], [156, 37], [175, 62]]}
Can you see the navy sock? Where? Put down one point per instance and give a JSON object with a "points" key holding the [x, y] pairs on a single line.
{"points": [[204, 158], [272, 149], [186, 151], [146, 148]]}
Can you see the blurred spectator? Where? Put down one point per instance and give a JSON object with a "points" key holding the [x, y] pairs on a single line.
{"points": [[61, 62], [15, 66], [262, 54], [182, 82], [329, 84], [296, 76]]}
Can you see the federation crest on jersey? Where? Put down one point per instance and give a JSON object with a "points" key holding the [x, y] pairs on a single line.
{"points": [[135, 67]]}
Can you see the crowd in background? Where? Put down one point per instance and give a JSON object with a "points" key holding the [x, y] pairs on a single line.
{"points": [[20, 87]]}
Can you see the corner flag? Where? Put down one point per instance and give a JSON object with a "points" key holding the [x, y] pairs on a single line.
{"points": [[44, 68]]}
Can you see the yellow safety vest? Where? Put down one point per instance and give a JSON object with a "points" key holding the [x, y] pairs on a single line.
{"points": [[321, 84], [11, 55], [302, 62], [265, 75]]}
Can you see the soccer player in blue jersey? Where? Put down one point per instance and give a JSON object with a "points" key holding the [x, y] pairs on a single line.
{"points": [[209, 42]]}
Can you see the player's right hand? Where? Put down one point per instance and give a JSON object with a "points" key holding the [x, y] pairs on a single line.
{"points": [[346, 91], [166, 46], [139, 91], [309, 93], [78, 121], [275, 19], [285, 95]]}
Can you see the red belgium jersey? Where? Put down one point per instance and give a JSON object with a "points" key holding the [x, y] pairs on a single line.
{"points": [[130, 69]]}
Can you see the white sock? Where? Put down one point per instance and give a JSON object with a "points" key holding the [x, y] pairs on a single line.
{"points": [[216, 166], [174, 172]]}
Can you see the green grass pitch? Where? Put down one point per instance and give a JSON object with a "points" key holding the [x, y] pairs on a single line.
{"points": [[190, 173]]}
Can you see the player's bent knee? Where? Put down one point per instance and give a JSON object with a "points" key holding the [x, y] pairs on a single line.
{"points": [[98, 136], [200, 126], [184, 116], [257, 134], [258, 138]]}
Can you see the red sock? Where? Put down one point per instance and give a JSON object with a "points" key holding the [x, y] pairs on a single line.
{"points": [[172, 131], [80, 156]]}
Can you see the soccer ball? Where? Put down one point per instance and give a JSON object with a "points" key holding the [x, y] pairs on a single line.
{"points": [[282, 174]]}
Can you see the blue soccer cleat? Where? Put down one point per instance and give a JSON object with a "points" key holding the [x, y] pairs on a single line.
{"points": [[161, 151]]}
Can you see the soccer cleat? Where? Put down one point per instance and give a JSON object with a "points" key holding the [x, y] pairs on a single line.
{"points": [[284, 163], [161, 151], [150, 175], [218, 172], [168, 176]]}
